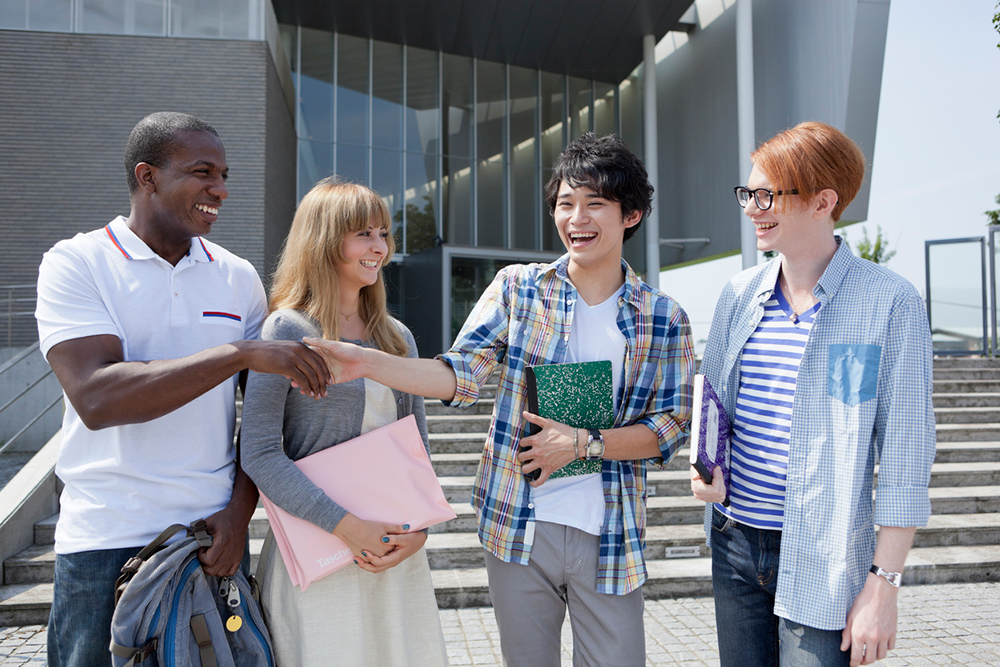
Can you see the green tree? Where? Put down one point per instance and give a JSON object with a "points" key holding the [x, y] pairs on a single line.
{"points": [[875, 250], [993, 216]]}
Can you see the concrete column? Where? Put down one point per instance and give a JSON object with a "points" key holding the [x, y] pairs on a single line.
{"points": [[745, 115], [652, 223]]}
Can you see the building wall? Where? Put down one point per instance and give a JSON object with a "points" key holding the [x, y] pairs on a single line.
{"points": [[69, 102], [812, 61]]}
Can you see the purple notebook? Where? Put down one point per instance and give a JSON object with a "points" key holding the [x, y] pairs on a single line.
{"points": [[709, 433]]}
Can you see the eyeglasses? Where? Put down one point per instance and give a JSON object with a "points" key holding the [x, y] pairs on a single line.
{"points": [[761, 196]]}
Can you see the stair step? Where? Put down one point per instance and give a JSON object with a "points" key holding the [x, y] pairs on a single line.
{"points": [[462, 423], [963, 452], [966, 386], [983, 399], [965, 500], [456, 443], [25, 604], [976, 473], [483, 406], [34, 565], [965, 374], [948, 363], [967, 432], [968, 415], [954, 530], [45, 530]]}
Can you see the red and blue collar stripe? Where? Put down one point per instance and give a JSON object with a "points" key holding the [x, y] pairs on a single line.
{"points": [[219, 313], [114, 239]]}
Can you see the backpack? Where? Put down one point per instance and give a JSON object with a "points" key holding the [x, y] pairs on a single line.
{"points": [[169, 613]]}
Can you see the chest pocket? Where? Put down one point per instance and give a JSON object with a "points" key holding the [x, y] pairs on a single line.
{"points": [[853, 372]]}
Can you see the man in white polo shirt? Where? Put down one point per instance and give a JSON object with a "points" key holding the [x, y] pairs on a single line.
{"points": [[147, 326]]}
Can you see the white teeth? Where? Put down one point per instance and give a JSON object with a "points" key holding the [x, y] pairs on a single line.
{"points": [[766, 225], [370, 263], [207, 209], [582, 237]]}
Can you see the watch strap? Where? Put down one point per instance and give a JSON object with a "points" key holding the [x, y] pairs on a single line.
{"points": [[894, 578]]}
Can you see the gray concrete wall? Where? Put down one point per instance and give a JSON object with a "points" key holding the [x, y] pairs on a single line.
{"points": [[34, 400], [812, 61], [69, 102]]}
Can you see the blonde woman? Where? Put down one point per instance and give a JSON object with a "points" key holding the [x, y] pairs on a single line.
{"points": [[328, 283]]}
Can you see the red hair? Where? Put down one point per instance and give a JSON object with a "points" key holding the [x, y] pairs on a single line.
{"points": [[810, 157]]}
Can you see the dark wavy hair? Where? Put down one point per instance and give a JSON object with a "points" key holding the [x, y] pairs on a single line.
{"points": [[606, 165], [154, 139]]}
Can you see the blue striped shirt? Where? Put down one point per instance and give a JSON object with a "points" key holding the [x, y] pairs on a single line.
{"points": [[763, 419]]}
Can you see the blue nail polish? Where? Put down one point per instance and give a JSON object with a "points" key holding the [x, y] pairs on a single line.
{"points": [[355, 561], [385, 539], [364, 554], [406, 526]]}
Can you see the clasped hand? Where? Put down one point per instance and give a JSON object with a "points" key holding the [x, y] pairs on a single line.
{"points": [[378, 546]]}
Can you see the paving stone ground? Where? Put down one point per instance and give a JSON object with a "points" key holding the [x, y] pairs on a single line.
{"points": [[947, 624]]}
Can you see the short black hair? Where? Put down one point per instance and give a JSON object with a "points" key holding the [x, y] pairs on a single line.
{"points": [[606, 165], [154, 139]]}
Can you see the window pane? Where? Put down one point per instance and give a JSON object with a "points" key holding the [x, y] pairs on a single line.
{"points": [[422, 113], [210, 18], [553, 117], [523, 155], [352, 90], [123, 17], [630, 101], [316, 92], [550, 239], [421, 189], [491, 112], [457, 76], [315, 162], [604, 108], [457, 195], [387, 175], [352, 163], [579, 106], [48, 15], [387, 95], [469, 279]]}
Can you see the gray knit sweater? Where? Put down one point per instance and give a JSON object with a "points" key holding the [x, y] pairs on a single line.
{"points": [[274, 414]]}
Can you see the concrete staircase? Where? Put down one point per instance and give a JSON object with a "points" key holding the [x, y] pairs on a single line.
{"points": [[960, 544]]}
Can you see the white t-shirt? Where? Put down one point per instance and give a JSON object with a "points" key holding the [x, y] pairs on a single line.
{"points": [[594, 336], [124, 484]]}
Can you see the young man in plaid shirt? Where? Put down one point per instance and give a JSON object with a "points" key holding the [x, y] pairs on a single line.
{"points": [[575, 541]]}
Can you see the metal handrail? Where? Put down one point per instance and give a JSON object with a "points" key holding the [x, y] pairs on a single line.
{"points": [[25, 390], [41, 414], [13, 361], [11, 300]]}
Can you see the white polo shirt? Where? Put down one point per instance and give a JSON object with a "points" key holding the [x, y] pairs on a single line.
{"points": [[124, 484]]}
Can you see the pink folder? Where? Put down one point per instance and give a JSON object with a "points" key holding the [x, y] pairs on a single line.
{"points": [[383, 475]]}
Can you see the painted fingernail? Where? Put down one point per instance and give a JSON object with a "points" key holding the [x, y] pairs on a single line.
{"points": [[364, 554], [406, 526], [355, 561], [385, 539]]}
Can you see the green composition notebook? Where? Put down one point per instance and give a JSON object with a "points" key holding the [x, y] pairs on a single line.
{"points": [[578, 395]]}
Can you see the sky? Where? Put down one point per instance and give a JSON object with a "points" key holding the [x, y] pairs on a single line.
{"points": [[936, 164]]}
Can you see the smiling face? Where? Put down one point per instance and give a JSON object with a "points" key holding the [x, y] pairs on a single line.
{"points": [[591, 227], [790, 231], [362, 253], [189, 189]]}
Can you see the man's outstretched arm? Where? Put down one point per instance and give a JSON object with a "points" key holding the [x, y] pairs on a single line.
{"points": [[108, 391]]}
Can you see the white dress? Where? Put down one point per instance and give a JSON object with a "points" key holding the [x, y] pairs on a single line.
{"points": [[353, 617]]}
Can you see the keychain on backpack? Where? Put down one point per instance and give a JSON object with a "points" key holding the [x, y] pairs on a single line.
{"points": [[228, 590]]}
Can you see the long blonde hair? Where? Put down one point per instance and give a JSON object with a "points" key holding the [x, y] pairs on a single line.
{"points": [[306, 279]]}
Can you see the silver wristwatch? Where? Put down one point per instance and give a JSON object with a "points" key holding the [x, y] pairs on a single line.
{"points": [[894, 578], [595, 445]]}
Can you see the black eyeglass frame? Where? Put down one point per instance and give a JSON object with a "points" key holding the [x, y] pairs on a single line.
{"points": [[756, 197]]}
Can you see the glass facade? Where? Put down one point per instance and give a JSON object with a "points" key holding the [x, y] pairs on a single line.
{"points": [[459, 148], [222, 19]]}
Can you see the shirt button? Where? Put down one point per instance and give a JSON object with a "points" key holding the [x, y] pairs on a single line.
{"points": [[531, 506]]}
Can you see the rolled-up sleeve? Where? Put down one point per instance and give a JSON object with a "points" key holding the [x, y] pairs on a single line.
{"points": [[482, 342], [669, 414], [905, 432]]}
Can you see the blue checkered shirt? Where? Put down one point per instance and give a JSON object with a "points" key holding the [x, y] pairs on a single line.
{"points": [[863, 396], [524, 319]]}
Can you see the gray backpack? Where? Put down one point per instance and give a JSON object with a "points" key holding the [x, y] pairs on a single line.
{"points": [[169, 613]]}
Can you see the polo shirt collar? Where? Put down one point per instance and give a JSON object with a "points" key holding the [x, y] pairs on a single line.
{"points": [[132, 247]]}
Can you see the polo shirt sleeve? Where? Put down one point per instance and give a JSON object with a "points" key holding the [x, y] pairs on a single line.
{"points": [[482, 342], [257, 310], [669, 414], [69, 301], [904, 419]]}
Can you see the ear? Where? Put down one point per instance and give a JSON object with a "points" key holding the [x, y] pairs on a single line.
{"points": [[824, 202], [632, 219], [144, 173]]}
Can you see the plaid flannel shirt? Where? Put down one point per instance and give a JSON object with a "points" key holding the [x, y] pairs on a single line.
{"points": [[863, 394], [524, 319]]}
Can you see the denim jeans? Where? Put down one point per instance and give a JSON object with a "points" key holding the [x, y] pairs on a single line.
{"points": [[745, 579], [83, 601]]}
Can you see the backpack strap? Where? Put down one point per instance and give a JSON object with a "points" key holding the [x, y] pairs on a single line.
{"points": [[135, 562], [135, 655], [199, 628]]}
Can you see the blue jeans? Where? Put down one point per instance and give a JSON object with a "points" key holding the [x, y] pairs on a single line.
{"points": [[83, 601], [745, 579]]}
